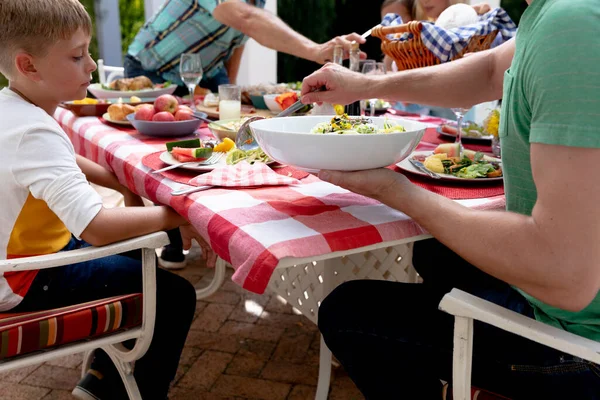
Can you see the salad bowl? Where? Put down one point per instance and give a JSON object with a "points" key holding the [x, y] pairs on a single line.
{"points": [[290, 141]]}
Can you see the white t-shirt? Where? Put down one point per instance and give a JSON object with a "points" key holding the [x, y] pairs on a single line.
{"points": [[44, 198]]}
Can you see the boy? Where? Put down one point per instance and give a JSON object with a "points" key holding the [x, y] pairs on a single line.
{"points": [[47, 202]]}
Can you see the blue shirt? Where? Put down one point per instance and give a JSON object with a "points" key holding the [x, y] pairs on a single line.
{"points": [[186, 26]]}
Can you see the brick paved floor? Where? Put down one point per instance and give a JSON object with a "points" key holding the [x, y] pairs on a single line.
{"points": [[241, 346]]}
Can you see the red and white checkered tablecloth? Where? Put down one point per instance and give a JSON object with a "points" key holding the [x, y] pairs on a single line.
{"points": [[253, 229]]}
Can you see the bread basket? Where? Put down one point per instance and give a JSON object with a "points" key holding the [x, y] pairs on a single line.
{"points": [[412, 52]]}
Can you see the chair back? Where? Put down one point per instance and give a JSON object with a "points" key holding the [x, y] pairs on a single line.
{"points": [[108, 74]]}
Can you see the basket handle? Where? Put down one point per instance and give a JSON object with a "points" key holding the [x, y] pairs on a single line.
{"points": [[413, 27]]}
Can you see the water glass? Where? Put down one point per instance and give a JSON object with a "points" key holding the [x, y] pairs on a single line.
{"points": [[230, 104], [373, 68], [190, 71]]}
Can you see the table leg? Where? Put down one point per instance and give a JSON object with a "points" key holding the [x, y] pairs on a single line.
{"points": [[216, 282]]}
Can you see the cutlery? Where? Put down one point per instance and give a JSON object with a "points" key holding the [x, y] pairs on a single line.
{"points": [[181, 192], [368, 33], [244, 139], [419, 165], [213, 159], [203, 118]]}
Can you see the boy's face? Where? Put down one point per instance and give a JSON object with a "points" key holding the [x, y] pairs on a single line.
{"points": [[65, 71]]}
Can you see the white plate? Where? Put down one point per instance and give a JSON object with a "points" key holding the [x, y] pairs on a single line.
{"points": [[479, 139], [405, 165], [167, 158], [106, 117], [101, 93]]}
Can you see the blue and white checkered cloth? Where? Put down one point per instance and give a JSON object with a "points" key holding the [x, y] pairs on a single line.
{"points": [[445, 44]]}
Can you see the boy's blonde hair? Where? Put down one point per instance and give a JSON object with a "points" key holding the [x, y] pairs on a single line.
{"points": [[34, 25]]}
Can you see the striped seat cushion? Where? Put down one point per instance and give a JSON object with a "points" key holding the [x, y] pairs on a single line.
{"points": [[27, 332]]}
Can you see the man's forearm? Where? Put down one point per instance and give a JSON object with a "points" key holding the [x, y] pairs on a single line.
{"points": [[266, 28], [463, 83], [506, 245]]}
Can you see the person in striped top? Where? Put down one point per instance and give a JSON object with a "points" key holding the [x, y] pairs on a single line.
{"points": [[217, 29]]}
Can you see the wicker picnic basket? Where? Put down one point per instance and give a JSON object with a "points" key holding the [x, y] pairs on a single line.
{"points": [[412, 53]]}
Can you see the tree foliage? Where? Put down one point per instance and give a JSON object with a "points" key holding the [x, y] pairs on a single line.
{"points": [[132, 19]]}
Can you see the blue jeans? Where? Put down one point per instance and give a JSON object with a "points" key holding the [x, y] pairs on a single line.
{"points": [[119, 275], [395, 343], [134, 68]]}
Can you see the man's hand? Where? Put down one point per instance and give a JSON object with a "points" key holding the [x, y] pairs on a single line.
{"points": [[324, 52], [189, 233], [343, 86], [379, 184]]}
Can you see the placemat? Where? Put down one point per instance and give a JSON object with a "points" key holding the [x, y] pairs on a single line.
{"points": [[182, 175], [456, 191]]}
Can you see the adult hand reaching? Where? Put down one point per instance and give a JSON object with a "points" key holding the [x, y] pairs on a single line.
{"points": [[342, 86], [189, 233], [324, 52]]}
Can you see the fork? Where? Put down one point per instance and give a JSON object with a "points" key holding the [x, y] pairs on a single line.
{"points": [[213, 159]]}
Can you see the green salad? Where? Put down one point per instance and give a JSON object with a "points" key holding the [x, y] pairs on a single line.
{"points": [[343, 125], [235, 156]]}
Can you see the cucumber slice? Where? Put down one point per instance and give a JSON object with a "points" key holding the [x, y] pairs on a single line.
{"points": [[191, 143]]}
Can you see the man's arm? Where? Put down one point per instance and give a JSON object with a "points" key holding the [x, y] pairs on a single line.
{"points": [[270, 31], [552, 254], [233, 64], [475, 79]]}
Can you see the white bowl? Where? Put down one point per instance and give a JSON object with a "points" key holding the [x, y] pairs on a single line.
{"points": [[271, 103], [289, 141], [100, 93]]}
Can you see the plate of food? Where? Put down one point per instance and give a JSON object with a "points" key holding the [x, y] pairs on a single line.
{"points": [[140, 86], [108, 118], [470, 131], [445, 162], [337, 142], [196, 150], [90, 107]]}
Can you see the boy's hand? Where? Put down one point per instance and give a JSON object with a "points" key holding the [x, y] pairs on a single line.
{"points": [[188, 232]]}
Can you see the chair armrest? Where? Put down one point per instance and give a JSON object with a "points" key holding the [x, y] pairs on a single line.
{"points": [[151, 241], [462, 304]]}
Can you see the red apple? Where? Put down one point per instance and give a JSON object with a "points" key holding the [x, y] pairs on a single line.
{"points": [[182, 107], [145, 112], [183, 115], [167, 103], [163, 116]]}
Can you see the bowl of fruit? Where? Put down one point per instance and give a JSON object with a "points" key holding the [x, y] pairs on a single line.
{"points": [[165, 118]]}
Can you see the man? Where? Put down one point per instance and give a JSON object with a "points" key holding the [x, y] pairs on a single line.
{"points": [[540, 258], [217, 29]]}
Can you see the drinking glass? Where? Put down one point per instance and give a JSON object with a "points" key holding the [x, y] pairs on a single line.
{"points": [[230, 104], [190, 71], [374, 68], [460, 116]]}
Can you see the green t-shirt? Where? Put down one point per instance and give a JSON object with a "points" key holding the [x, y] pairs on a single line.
{"points": [[552, 96]]}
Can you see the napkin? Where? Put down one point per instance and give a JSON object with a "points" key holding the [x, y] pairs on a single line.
{"points": [[242, 174], [445, 44]]}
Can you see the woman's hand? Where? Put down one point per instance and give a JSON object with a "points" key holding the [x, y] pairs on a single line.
{"points": [[189, 233]]}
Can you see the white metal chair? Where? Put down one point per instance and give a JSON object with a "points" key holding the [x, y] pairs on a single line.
{"points": [[122, 357], [113, 72], [466, 308]]}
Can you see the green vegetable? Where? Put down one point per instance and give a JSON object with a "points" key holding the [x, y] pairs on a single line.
{"points": [[251, 156], [188, 144], [475, 171]]}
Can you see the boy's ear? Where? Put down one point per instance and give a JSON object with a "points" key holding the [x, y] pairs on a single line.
{"points": [[25, 66]]}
